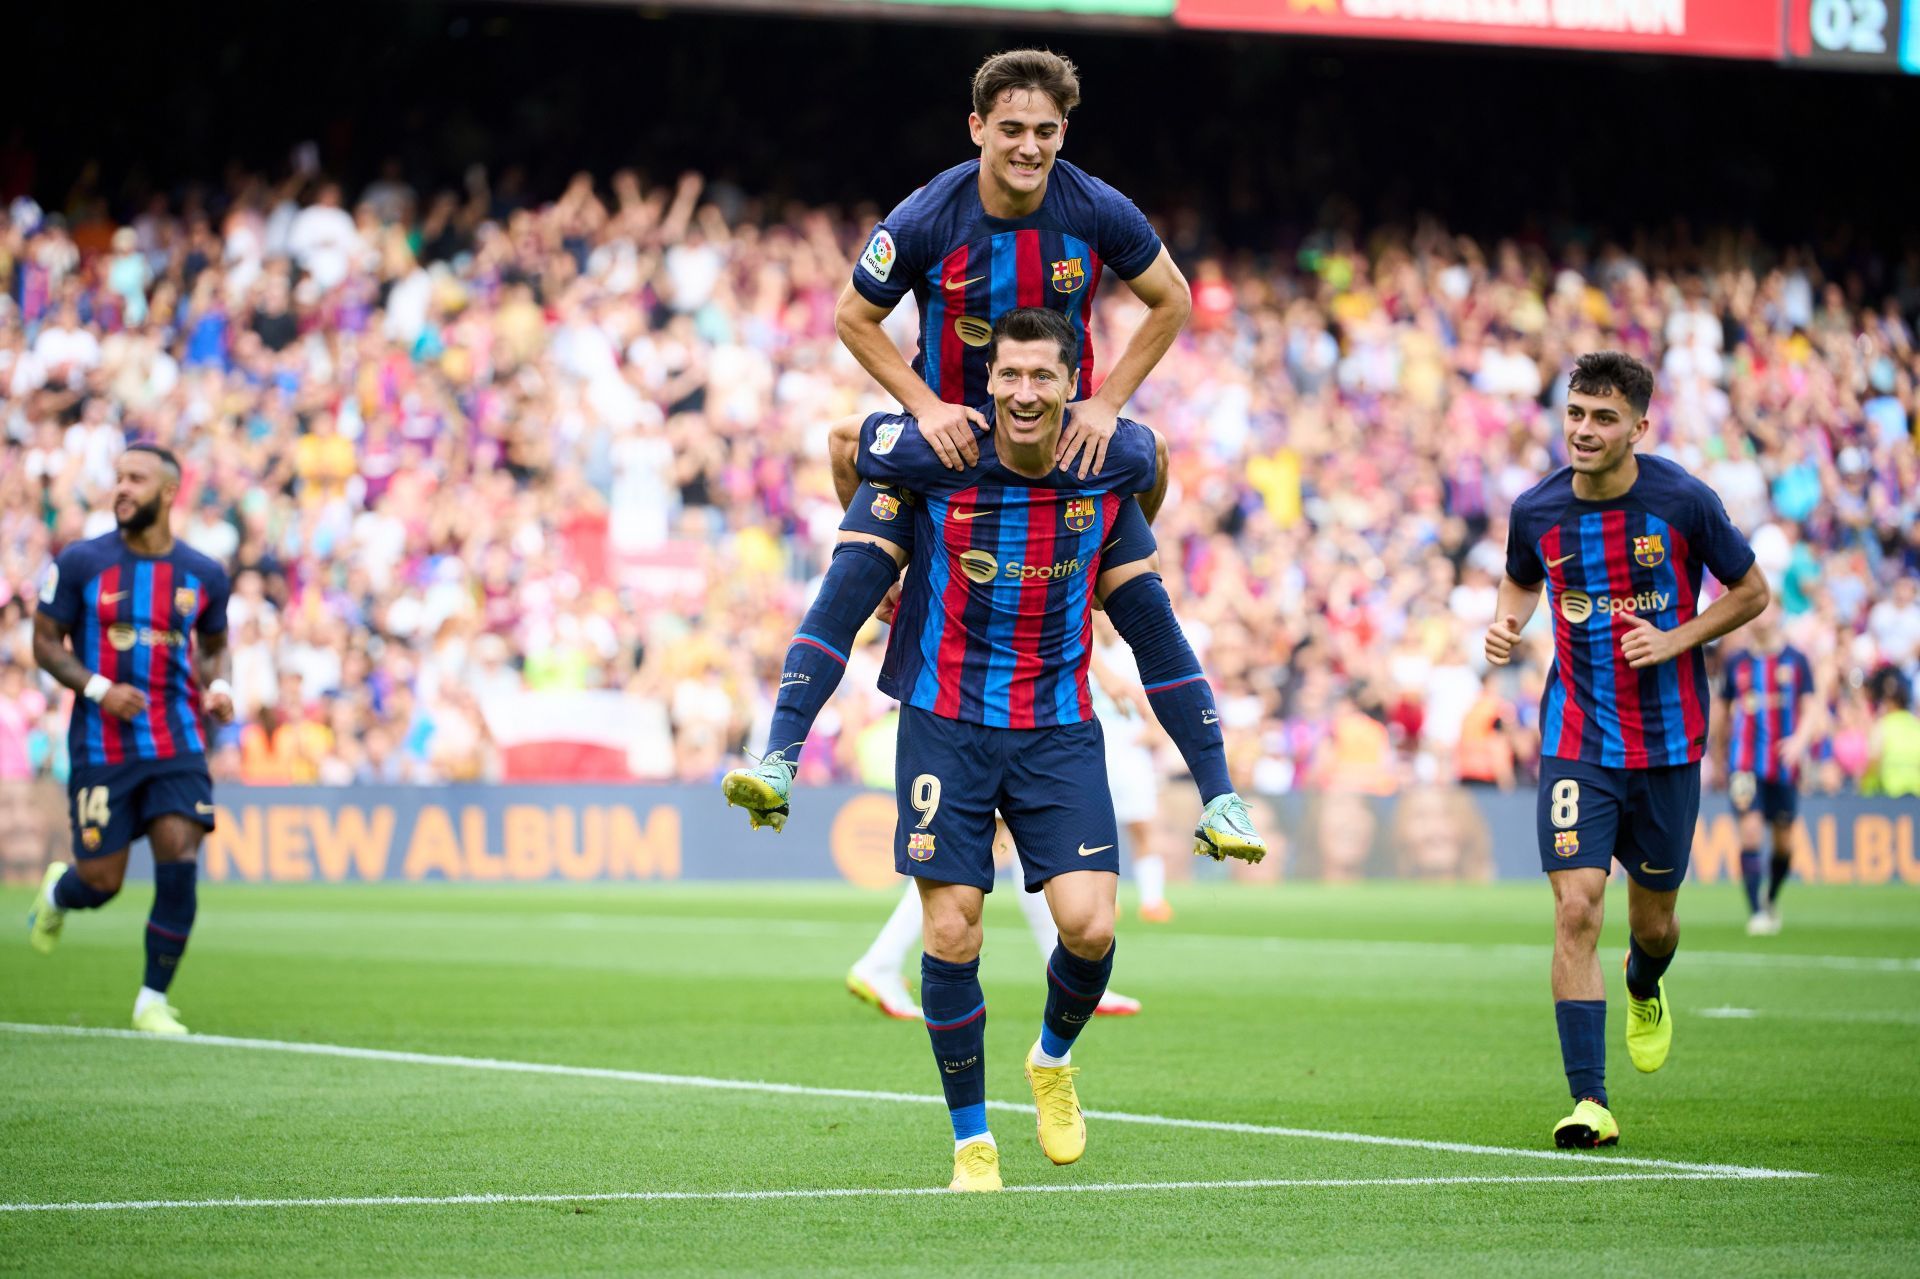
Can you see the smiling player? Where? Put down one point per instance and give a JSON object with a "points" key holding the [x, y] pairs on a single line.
{"points": [[1619, 541]]}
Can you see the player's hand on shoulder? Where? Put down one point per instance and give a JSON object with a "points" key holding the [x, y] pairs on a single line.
{"points": [[1089, 429], [1501, 637], [949, 430], [1645, 644], [124, 701]]}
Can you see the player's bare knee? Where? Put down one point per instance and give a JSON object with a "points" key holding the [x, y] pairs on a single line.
{"points": [[951, 936], [103, 876], [1090, 939], [1576, 915]]}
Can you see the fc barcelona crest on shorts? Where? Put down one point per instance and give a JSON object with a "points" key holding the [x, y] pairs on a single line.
{"points": [[920, 845], [1079, 514], [1650, 551], [185, 600], [885, 506], [90, 836], [1069, 275], [1566, 843]]}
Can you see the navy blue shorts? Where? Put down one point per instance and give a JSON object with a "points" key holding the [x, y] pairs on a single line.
{"points": [[1777, 801], [886, 510], [1590, 815], [113, 804], [1049, 784]]}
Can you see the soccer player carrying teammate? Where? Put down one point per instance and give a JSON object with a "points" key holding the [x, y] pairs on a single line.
{"points": [[1015, 227], [1766, 725], [990, 656], [131, 603], [1619, 542]]}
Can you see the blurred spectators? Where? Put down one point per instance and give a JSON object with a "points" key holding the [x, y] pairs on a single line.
{"points": [[458, 446]]}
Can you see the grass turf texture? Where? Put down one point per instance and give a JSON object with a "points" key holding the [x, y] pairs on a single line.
{"points": [[1394, 1010]]}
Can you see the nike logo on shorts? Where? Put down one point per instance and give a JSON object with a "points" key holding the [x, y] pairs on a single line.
{"points": [[202, 806], [1645, 869], [1088, 852]]}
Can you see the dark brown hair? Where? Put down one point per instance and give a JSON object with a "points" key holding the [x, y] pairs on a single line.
{"points": [[1608, 372], [1039, 69]]}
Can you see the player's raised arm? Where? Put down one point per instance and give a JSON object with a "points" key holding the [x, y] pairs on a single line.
{"points": [[1091, 422]]}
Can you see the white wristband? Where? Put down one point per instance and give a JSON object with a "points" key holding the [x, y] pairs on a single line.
{"points": [[97, 688], [220, 688]]}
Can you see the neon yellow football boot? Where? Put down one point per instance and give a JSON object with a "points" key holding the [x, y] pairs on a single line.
{"points": [[1056, 1105], [762, 790], [976, 1166], [1649, 1030], [1591, 1124], [45, 919], [159, 1019]]}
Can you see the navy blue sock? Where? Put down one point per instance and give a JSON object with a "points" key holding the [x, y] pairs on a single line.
{"points": [[1583, 1046], [1782, 868], [1074, 987], [70, 892], [1182, 699], [1750, 876], [956, 1013], [857, 580], [174, 903], [1643, 970]]}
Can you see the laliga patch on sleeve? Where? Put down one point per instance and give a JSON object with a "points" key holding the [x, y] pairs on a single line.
{"points": [[877, 258], [52, 584], [885, 436]]}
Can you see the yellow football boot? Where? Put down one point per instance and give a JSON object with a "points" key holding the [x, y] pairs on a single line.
{"points": [[1649, 1030], [1063, 1133], [45, 919], [159, 1019], [976, 1166], [1591, 1124]]}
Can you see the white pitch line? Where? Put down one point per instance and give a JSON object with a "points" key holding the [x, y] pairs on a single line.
{"points": [[856, 1192], [863, 1094]]}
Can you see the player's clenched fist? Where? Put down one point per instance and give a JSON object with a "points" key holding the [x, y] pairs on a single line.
{"points": [[220, 706], [949, 428], [124, 701], [1645, 644], [1501, 637]]}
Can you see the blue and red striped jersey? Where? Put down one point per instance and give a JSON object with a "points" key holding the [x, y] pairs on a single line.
{"points": [[967, 269], [1763, 692], [132, 619], [996, 616], [1641, 553]]}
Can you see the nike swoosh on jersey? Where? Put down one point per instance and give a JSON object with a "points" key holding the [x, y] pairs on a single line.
{"points": [[1562, 560], [970, 515], [1088, 852], [961, 284], [1655, 870], [113, 597]]}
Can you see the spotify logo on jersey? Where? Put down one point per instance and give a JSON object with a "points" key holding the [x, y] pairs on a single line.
{"points": [[978, 565], [1576, 606]]}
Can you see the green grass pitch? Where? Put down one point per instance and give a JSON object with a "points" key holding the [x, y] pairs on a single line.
{"points": [[1383, 1010]]}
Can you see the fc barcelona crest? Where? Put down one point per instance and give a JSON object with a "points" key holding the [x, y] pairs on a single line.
{"points": [[185, 600], [920, 845], [1566, 843], [1069, 275], [1650, 551], [1079, 514], [90, 836], [885, 506]]}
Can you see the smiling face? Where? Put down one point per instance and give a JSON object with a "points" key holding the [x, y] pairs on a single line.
{"points": [[1019, 140], [1601, 431], [1031, 387]]}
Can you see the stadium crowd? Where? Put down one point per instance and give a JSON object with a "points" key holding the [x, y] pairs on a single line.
{"points": [[458, 445]]}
